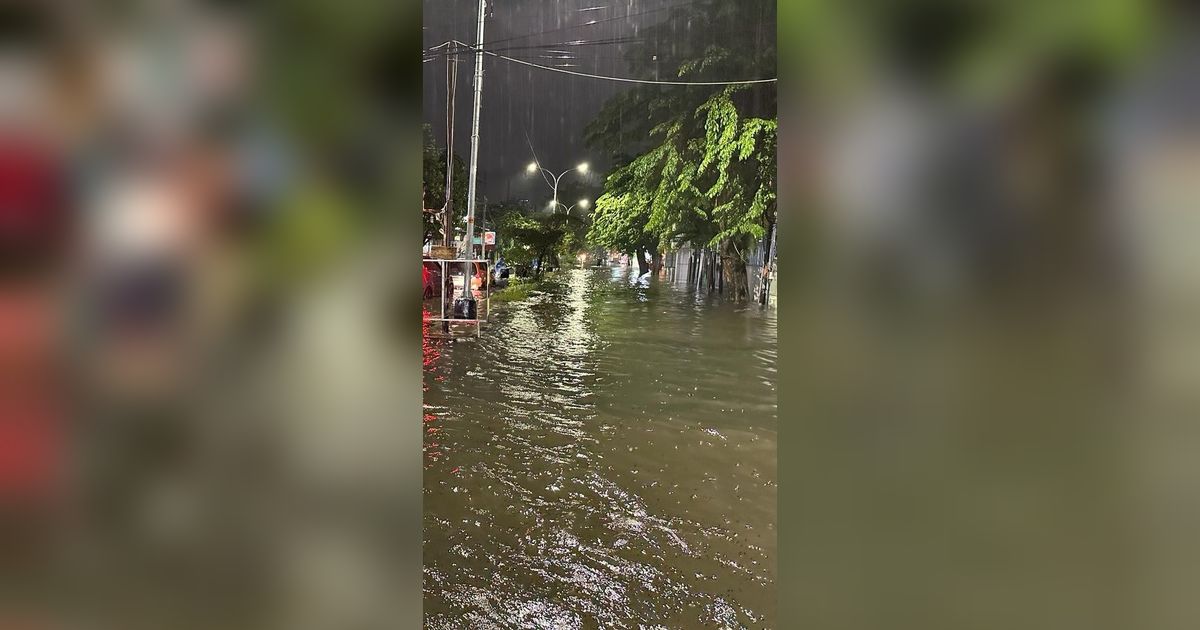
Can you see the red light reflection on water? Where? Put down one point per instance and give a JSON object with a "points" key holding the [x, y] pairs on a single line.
{"points": [[430, 354]]}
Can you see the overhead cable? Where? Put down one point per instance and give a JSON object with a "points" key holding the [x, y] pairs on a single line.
{"points": [[623, 79]]}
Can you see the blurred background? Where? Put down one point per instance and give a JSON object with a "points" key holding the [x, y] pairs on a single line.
{"points": [[990, 253], [206, 370], [204, 351]]}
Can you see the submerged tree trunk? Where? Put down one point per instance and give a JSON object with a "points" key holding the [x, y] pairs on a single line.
{"points": [[711, 271], [721, 277], [768, 247], [643, 268], [733, 273], [656, 261]]}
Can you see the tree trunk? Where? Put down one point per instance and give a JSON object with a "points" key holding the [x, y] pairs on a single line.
{"points": [[733, 273], [656, 261], [643, 268], [768, 243], [692, 262], [711, 273], [721, 276]]}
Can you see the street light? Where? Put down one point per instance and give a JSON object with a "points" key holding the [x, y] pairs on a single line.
{"points": [[534, 167], [582, 203]]}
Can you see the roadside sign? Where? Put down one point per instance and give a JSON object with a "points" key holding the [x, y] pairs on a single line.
{"points": [[489, 238]]}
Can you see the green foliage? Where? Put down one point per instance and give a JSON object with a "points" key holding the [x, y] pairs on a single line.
{"points": [[523, 238], [517, 289], [740, 153], [703, 160], [433, 180], [623, 212], [315, 226], [747, 27], [309, 45], [983, 49]]}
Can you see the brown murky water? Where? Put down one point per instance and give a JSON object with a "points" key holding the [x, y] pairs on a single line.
{"points": [[604, 456]]}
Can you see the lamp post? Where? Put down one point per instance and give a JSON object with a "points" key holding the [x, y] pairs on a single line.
{"points": [[535, 167]]}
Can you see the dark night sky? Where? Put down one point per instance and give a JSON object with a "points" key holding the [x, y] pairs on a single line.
{"points": [[551, 107]]}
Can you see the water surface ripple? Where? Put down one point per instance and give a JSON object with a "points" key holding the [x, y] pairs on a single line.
{"points": [[604, 456]]}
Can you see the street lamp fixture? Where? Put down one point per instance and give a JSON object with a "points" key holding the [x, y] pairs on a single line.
{"points": [[582, 203], [534, 167]]}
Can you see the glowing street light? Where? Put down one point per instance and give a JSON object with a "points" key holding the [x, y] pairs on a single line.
{"points": [[582, 203], [534, 167]]}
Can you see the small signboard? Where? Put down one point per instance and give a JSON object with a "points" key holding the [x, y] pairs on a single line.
{"points": [[489, 238]]}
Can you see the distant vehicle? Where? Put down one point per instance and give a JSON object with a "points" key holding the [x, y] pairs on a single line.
{"points": [[477, 278]]}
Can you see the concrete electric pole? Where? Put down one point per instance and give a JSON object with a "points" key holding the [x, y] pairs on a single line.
{"points": [[464, 306]]}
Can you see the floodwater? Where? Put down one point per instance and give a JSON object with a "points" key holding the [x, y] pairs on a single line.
{"points": [[603, 456]]}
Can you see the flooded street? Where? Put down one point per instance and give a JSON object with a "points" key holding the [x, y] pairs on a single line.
{"points": [[604, 456]]}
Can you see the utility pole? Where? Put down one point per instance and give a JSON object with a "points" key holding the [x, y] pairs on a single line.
{"points": [[465, 305], [451, 94]]}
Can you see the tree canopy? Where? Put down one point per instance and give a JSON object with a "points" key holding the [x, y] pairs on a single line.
{"points": [[696, 164], [525, 236], [433, 178]]}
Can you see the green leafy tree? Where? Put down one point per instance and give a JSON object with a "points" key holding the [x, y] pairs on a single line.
{"points": [[526, 237], [433, 180], [698, 162], [621, 216]]}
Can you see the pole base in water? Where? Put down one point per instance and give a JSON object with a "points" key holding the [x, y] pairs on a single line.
{"points": [[465, 308]]}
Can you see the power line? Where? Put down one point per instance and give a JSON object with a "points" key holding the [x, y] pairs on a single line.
{"points": [[433, 52], [535, 158], [577, 43], [594, 22], [623, 79], [629, 80]]}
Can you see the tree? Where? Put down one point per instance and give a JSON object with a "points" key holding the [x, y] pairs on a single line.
{"points": [[433, 177], [528, 237], [621, 216], [706, 174]]}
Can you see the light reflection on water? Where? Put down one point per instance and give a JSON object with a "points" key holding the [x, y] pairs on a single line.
{"points": [[604, 454]]}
